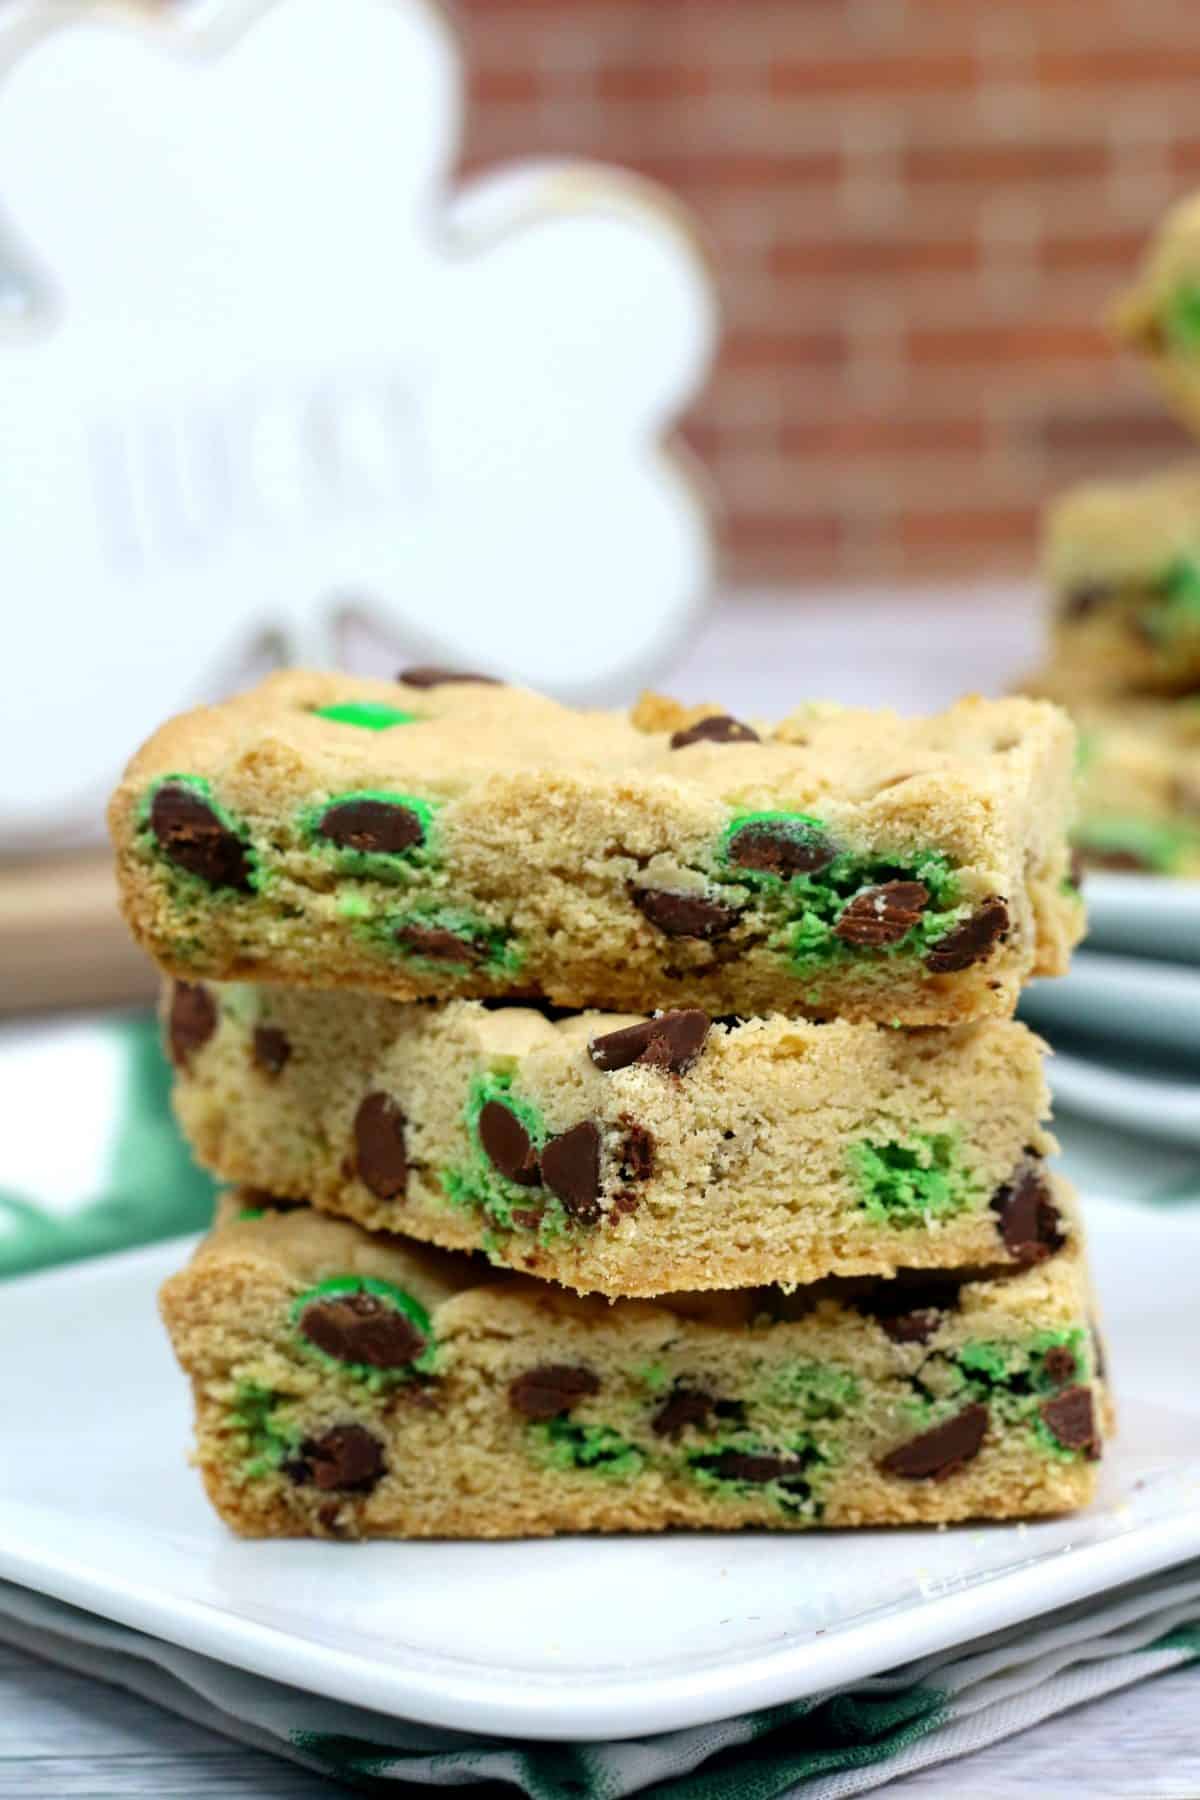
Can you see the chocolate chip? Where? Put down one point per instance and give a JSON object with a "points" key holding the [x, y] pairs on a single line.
{"points": [[361, 1328], [684, 915], [428, 677], [528, 1217], [1075, 870], [190, 835], [637, 1152], [381, 1158], [1079, 601], [1059, 1364], [909, 1312], [436, 944], [971, 941], [882, 915], [743, 1465], [571, 1170], [941, 1452], [1071, 1416], [1029, 1220], [376, 825], [191, 1020], [259, 1200], [686, 1406], [916, 1327], [782, 849], [672, 1041], [718, 728], [271, 1049], [551, 1389], [507, 1145], [348, 1458], [1118, 861]]}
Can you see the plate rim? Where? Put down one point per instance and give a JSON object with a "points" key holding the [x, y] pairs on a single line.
{"points": [[548, 1707]]}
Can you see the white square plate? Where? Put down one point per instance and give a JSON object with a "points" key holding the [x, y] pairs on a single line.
{"points": [[574, 1638]]}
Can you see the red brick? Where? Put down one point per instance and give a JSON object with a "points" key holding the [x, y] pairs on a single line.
{"points": [[1110, 432], [870, 74], [653, 83], [867, 436], [1185, 156], [1001, 162], [776, 349], [872, 256], [791, 530], [977, 527], [1123, 64], [1026, 342], [1117, 250], [505, 87], [716, 171]]}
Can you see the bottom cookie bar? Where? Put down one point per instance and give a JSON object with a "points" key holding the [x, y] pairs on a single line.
{"points": [[348, 1385]]}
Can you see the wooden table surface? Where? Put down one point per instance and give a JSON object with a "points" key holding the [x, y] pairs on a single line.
{"points": [[63, 1737]]}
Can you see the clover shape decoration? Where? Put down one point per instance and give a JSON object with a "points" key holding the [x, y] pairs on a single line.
{"points": [[270, 363]]}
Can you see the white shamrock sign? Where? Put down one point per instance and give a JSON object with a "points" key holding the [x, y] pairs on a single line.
{"points": [[257, 362]]}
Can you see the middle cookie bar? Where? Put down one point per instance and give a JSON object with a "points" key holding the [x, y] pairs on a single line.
{"points": [[623, 1155]]}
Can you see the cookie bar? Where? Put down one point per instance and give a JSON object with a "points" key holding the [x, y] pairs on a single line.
{"points": [[347, 1385], [618, 1154], [1139, 781], [1159, 317], [1122, 561], [441, 837]]}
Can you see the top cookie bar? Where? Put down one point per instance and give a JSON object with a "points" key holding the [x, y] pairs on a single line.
{"points": [[442, 836]]}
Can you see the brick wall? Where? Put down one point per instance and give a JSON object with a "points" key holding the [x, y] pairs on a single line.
{"points": [[918, 209]]}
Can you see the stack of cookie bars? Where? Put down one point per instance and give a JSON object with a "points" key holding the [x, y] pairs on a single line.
{"points": [[768, 1241], [1122, 564]]}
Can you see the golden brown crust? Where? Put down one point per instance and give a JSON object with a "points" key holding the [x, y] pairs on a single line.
{"points": [[552, 827]]}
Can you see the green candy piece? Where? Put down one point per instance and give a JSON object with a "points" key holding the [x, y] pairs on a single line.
{"points": [[776, 846], [905, 1183], [801, 882], [1181, 318], [1016, 1379], [444, 940], [340, 1287], [368, 813], [479, 1186], [817, 1390], [264, 1444], [743, 1465], [204, 846], [1177, 611], [595, 1448], [252, 1212], [368, 715]]}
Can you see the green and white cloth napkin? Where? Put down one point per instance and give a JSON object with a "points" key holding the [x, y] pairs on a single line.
{"points": [[833, 1745], [91, 1161]]}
